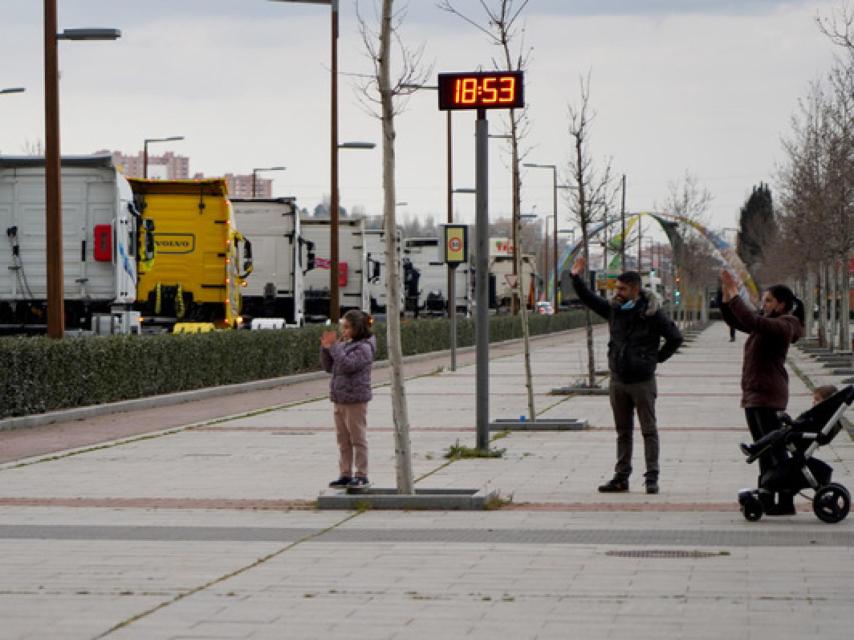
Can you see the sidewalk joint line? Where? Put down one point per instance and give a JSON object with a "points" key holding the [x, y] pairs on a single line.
{"points": [[181, 596]]}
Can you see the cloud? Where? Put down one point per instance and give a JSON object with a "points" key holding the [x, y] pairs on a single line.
{"points": [[657, 7]]}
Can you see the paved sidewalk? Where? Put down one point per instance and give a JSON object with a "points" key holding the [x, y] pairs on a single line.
{"points": [[207, 531]]}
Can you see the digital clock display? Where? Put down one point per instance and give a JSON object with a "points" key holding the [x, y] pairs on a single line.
{"points": [[482, 90]]}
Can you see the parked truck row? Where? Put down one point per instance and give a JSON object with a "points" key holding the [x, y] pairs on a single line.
{"points": [[158, 255]]}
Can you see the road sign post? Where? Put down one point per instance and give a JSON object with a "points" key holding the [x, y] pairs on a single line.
{"points": [[454, 252]]}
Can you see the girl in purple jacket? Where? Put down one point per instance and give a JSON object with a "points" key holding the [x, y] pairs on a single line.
{"points": [[349, 359]]}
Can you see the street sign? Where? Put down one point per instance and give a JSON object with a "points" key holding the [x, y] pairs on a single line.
{"points": [[511, 279], [454, 248], [481, 90]]}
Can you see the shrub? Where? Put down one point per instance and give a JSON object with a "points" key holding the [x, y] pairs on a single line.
{"points": [[39, 374]]}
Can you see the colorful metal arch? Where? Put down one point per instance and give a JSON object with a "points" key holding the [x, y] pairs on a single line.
{"points": [[722, 250]]}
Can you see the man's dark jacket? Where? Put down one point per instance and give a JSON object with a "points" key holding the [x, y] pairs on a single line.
{"points": [[633, 350]]}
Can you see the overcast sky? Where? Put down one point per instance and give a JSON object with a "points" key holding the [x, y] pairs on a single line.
{"points": [[706, 86]]}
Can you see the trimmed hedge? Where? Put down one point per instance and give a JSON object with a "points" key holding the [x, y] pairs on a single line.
{"points": [[40, 375]]}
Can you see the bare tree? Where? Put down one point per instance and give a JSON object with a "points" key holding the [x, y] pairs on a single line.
{"points": [[839, 26], [382, 91], [502, 29], [689, 203], [33, 148], [593, 194]]}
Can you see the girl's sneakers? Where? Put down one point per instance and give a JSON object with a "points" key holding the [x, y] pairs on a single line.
{"points": [[341, 483], [359, 483]]}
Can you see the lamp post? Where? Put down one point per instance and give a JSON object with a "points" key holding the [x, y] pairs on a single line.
{"points": [[554, 211], [52, 160], [334, 295], [255, 177], [334, 307], [145, 144], [12, 90]]}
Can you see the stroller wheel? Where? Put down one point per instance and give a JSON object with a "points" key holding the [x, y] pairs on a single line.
{"points": [[831, 503], [751, 509]]}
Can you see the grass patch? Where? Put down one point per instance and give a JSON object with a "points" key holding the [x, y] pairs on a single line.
{"points": [[459, 451], [497, 501]]}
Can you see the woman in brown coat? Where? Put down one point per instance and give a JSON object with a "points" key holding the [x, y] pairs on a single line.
{"points": [[764, 381]]}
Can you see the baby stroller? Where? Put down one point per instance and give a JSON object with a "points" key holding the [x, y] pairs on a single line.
{"points": [[792, 447]]}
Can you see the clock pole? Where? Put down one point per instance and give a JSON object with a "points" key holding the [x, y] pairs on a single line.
{"points": [[482, 280]]}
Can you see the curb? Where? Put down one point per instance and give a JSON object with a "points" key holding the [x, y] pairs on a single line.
{"points": [[422, 499], [181, 397]]}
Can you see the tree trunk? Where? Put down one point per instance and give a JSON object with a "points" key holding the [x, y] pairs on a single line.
{"points": [[523, 317], [402, 446], [833, 276], [845, 304], [822, 304], [810, 302], [582, 216]]}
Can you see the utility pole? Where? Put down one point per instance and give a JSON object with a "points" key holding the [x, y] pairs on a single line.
{"points": [[53, 187], [334, 302], [623, 227]]}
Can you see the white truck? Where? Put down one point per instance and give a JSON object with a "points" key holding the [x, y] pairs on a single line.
{"points": [[501, 266], [103, 236], [377, 271], [352, 275], [422, 255], [274, 295]]}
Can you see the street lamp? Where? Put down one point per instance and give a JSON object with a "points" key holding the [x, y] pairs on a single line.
{"points": [[53, 162], [145, 150], [255, 176], [334, 307], [334, 302], [12, 90], [554, 211]]}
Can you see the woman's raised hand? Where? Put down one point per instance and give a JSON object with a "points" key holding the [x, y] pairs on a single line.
{"points": [[729, 285], [578, 266]]}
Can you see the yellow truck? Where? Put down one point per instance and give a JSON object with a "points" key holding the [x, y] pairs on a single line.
{"points": [[202, 259]]}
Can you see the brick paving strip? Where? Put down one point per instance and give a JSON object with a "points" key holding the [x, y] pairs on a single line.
{"points": [[161, 503], [288, 505]]}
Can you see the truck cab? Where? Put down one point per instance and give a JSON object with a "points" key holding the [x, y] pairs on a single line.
{"points": [[203, 261], [275, 294]]}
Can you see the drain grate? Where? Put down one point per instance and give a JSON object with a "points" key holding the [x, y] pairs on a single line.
{"points": [[665, 553]]}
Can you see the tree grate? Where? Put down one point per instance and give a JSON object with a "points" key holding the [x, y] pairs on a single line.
{"points": [[665, 554]]}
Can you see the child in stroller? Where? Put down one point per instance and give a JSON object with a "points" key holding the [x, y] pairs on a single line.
{"points": [[795, 469]]}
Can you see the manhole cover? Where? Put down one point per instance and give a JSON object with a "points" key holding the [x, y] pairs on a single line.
{"points": [[664, 553]]}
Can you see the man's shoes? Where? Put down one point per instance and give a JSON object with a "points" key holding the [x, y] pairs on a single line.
{"points": [[652, 486], [614, 485], [340, 483], [359, 483]]}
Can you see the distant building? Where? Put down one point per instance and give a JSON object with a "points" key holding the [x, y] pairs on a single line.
{"points": [[240, 186], [167, 166]]}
